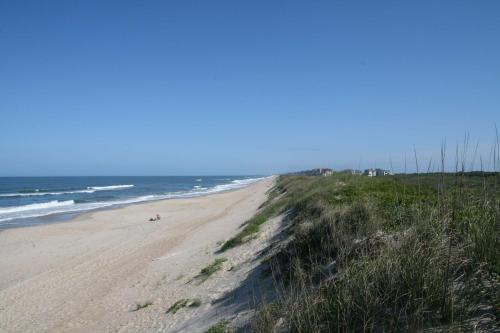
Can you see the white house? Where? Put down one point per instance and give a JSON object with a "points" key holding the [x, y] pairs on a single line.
{"points": [[370, 172], [376, 172]]}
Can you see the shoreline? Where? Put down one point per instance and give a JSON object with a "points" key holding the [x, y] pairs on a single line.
{"points": [[86, 274], [65, 217]]}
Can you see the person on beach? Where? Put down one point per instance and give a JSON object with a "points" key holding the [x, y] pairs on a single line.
{"points": [[152, 219]]}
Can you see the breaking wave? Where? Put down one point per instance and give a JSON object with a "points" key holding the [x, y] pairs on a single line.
{"points": [[37, 206], [90, 189], [109, 188]]}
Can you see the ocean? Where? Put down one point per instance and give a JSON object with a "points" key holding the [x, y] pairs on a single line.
{"points": [[37, 200]]}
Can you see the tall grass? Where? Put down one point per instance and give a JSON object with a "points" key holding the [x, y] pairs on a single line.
{"points": [[405, 252]]}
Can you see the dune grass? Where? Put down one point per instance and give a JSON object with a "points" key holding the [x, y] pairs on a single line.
{"points": [[220, 327], [251, 227], [192, 303], [140, 305], [404, 252], [208, 271]]}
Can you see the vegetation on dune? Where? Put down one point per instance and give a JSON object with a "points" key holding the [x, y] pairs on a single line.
{"points": [[206, 272], [140, 305], [192, 303], [220, 327], [404, 252], [250, 227]]}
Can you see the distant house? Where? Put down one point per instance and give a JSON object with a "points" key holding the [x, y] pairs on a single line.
{"points": [[376, 172], [325, 172], [386, 173], [317, 172], [353, 171], [370, 172]]}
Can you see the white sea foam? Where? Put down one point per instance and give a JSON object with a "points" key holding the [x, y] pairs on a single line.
{"points": [[109, 188], [90, 189], [30, 194], [69, 206], [37, 206], [235, 184]]}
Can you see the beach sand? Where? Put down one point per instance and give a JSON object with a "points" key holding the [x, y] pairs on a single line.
{"points": [[89, 274]]}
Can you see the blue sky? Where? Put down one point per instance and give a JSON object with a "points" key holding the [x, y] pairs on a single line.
{"points": [[242, 87]]}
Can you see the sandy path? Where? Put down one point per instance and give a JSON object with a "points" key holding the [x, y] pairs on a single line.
{"points": [[86, 275]]}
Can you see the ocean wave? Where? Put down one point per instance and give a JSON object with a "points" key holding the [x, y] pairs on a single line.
{"points": [[37, 206], [237, 183], [31, 194], [109, 188], [69, 206], [90, 189]]}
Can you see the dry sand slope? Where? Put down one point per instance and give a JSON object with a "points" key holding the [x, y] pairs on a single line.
{"points": [[87, 275]]}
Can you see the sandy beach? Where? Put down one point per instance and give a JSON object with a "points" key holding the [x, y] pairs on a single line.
{"points": [[89, 274]]}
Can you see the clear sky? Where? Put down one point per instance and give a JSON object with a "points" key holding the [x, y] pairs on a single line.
{"points": [[242, 87]]}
